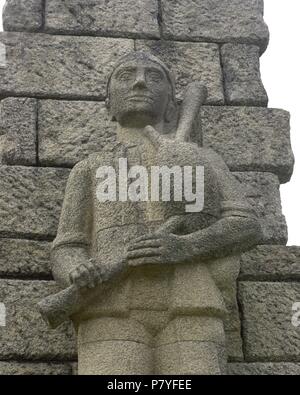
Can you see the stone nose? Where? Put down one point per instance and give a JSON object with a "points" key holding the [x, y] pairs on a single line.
{"points": [[140, 80]]}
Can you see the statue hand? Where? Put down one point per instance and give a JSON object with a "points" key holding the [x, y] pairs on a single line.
{"points": [[86, 275], [159, 248]]}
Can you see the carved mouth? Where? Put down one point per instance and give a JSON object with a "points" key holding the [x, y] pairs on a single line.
{"points": [[140, 98]]}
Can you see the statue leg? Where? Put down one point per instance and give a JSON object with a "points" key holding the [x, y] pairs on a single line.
{"points": [[111, 345], [191, 345]]}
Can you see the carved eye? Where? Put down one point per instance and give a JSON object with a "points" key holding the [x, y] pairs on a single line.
{"points": [[154, 76], [125, 75]]}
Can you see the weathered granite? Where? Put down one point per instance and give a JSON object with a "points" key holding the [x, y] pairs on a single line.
{"points": [[30, 200], [44, 65], [189, 62], [218, 21], [264, 369], [262, 191], [71, 130], [19, 127], [234, 346], [242, 79], [126, 18], [24, 258], [35, 369], [185, 301], [25, 335], [248, 138], [23, 15], [271, 263], [267, 321]]}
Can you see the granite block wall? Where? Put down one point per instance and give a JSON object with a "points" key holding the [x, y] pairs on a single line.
{"points": [[52, 115]]}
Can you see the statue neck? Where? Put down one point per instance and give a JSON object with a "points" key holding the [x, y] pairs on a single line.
{"points": [[135, 136]]}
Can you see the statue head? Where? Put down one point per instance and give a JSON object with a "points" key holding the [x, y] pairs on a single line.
{"points": [[141, 91]]}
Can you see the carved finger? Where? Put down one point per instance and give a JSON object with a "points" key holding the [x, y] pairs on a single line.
{"points": [[85, 278], [93, 274], [144, 261], [74, 276], [146, 252], [153, 136], [146, 237], [155, 243]]}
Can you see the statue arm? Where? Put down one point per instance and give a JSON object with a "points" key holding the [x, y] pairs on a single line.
{"points": [[228, 236], [71, 247], [238, 228]]}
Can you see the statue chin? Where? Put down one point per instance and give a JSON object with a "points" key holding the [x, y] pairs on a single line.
{"points": [[137, 118]]}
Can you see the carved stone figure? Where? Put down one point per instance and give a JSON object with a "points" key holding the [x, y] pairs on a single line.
{"points": [[147, 284]]}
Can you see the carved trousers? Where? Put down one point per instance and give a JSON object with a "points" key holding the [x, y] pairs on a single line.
{"points": [[148, 342]]}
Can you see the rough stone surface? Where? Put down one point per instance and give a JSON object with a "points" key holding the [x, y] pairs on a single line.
{"points": [[218, 21], [189, 62], [264, 369], [34, 369], [271, 263], [25, 335], [23, 15], [250, 138], [30, 200], [241, 68], [126, 18], [56, 66], [234, 346], [69, 131], [18, 125], [262, 191], [267, 314], [24, 258]]}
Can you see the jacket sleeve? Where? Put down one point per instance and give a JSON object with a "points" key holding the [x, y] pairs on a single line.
{"points": [[72, 244], [238, 228], [233, 198]]}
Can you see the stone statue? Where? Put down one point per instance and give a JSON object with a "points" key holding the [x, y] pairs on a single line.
{"points": [[147, 277]]}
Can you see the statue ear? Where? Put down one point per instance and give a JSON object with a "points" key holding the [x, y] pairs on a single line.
{"points": [[107, 105], [170, 111]]}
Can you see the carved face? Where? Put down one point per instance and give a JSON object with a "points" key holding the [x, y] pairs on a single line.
{"points": [[140, 94]]}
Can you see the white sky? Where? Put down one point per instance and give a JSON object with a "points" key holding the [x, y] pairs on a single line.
{"points": [[280, 68]]}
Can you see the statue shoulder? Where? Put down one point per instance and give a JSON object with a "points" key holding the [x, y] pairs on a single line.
{"points": [[104, 157]]}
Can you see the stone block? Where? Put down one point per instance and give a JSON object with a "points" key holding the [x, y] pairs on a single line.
{"points": [[269, 334], [23, 15], [262, 192], [19, 127], [26, 336], [241, 68], [264, 369], [43, 65], [249, 138], [271, 263], [71, 130], [238, 21], [30, 200], [189, 62], [34, 369], [25, 258], [126, 18]]}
